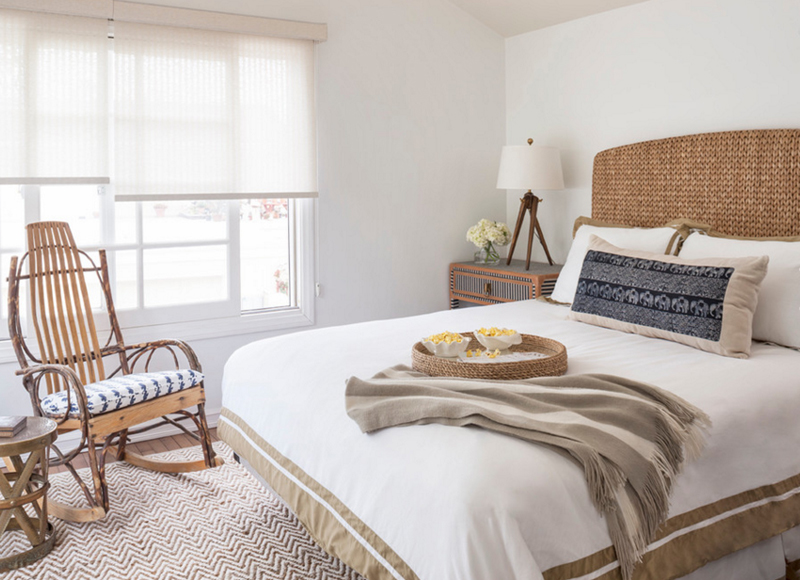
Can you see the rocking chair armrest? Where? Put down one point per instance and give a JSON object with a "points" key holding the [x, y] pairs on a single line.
{"points": [[32, 377], [138, 350]]}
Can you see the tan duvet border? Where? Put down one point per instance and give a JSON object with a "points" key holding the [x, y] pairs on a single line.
{"points": [[680, 555], [323, 525], [675, 558]]}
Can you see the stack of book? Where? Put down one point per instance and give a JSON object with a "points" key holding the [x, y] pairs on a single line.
{"points": [[10, 426]]}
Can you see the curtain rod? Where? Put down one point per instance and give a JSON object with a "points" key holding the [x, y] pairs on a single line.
{"points": [[54, 180], [214, 196], [179, 17]]}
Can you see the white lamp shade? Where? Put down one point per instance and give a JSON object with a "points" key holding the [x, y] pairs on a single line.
{"points": [[530, 167]]}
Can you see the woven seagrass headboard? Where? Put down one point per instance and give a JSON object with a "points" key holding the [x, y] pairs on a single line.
{"points": [[744, 183]]}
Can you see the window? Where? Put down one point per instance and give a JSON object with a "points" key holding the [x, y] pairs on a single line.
{"points": [[208, 139], [170, 262]]}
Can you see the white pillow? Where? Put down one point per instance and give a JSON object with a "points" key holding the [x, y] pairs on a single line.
{"points": [[654, 240], [777, 317]]}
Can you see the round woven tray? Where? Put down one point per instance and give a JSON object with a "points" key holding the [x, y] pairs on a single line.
{"points": [[554, 365]]}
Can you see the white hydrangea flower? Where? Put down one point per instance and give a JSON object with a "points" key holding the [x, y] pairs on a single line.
{"points": [[487, 232]]}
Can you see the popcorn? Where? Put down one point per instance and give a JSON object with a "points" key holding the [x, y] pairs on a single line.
{"points": [[479, 353], [494, 331], [446, 337]]}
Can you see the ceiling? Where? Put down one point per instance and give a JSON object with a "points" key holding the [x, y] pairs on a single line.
{"points": [[512, 17]]}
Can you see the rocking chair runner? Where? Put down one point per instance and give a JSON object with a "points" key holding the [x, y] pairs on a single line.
{"points": [[80, 395]]}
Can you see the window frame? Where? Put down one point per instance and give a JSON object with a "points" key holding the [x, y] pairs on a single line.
{"points": [[302, 255], [191, 322]]}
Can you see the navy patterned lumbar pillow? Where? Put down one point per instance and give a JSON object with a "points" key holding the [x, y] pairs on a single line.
{"points": [[707, 303]]}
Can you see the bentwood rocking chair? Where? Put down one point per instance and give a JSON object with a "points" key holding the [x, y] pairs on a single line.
{"points": [[80, 394]]}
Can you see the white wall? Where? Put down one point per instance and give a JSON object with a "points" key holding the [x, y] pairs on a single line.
{"points": [[411, 122], [657, 69]]}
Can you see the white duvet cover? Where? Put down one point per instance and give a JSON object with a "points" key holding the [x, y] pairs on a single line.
{"points": [[463, 503]]}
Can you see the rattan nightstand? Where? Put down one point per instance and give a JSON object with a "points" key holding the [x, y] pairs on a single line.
{"points": [[492, 284]]}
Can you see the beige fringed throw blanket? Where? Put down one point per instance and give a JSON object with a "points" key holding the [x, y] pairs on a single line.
{"points": [[630, 438]]}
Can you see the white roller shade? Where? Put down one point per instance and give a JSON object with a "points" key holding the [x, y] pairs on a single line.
{"points": [[212, 113], [53, 96]]}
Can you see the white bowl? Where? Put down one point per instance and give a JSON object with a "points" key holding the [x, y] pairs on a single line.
{"points": [[503, 342], [445, 350]]}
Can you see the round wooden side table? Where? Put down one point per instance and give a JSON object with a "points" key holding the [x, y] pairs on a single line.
{"points": [[27, 484]]}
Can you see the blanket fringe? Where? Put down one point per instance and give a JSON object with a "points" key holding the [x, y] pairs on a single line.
{"points": [[635, 512], [604, 479]]}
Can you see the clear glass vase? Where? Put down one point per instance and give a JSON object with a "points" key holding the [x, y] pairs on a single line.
{"points": [[487, 255]]}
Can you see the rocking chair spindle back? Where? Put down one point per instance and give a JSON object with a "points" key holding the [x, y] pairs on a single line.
{"points": [[61, 312]]}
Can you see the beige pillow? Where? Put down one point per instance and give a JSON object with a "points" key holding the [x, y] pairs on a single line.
{"points": [[587, 221], [681, 232], [672, 248], [706, 303], [716, 234], [687, 226]]}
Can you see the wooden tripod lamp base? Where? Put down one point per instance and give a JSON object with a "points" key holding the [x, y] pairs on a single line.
{"points": [[529, 203], [529, 168]]}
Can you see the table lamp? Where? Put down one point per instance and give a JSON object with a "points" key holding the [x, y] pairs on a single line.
{"points": [[529, 167]]}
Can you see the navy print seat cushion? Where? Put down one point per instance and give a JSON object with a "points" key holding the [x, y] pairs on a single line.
{"points": [[123, 391]]}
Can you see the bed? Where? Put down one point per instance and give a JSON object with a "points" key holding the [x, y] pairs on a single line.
{"points": [[437, 502]]}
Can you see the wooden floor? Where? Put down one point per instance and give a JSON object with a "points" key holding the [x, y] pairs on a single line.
{"points": [[143, 448]]}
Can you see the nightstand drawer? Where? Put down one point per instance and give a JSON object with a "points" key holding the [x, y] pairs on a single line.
{"points": [[498, 288], [493, 284]]}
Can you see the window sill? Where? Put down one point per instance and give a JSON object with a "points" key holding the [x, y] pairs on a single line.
{"points": [[220, 327], [189, 331]]}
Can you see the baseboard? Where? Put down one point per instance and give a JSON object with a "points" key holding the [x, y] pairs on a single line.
{"points": [[164, 431]]}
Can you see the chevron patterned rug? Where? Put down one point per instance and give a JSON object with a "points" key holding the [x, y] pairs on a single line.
{"points": [[214, 524]]}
